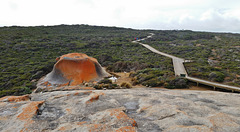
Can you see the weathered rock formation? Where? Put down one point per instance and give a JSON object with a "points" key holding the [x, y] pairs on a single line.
{"points": [[127, 110], [71, 70]]}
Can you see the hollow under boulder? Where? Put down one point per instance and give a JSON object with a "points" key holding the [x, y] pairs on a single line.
{"points": [[73, 69]]}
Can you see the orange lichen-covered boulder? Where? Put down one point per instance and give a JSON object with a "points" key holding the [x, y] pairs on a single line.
{"points": [[73, 69]]}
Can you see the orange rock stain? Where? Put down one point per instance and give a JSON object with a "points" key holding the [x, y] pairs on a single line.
{"points": [[144, 108], [25, 130], [97, 128], [81, 123], [120, 115], [62, 129], [78, 70], [3, 118], [126, 129], [87, 92], [94, 97], [15, 98], [3, 98], [77, 93], [58, 96], [68, 111], [29, 111]]}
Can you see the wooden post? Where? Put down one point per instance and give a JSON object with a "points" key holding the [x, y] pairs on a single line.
{"points": [[197, 84]]}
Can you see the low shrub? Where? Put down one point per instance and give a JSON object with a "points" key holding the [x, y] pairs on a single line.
{"points": [[98, 86], [154, 77], [105, 81], [107, 86], [154, 82], [176, 83], [126, 85]]}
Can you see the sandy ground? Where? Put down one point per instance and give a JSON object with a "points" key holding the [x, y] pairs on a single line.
{"points": [[124, 77]]}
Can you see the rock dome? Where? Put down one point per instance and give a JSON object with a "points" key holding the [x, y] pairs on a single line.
{"points": [[73, 69]]}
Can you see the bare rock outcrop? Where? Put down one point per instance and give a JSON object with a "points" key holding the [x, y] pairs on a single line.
{"points": [[141, 110], [70, 70]]}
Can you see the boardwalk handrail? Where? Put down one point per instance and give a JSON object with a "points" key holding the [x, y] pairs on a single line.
{"points": [[213, 84]]}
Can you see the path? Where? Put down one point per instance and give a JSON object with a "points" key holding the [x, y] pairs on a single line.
{"points": [[180, 69]]}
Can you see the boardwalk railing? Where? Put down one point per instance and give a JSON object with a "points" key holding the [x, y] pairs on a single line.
{"points": [[213, 84]]}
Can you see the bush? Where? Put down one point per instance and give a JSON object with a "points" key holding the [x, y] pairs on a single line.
{"points": [[132, 74], [98, 86], [6, 92], [134, 81], [177, 83], [233, 84], [144, 77], [108, 86], [220, 77], [16, 91], [154, 77], [126, 85], [105, 81], [114, 85], [154, 82], [216, 76]]}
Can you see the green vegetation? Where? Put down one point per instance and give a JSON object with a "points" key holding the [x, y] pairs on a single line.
{"points": [[176, 83], [106, 83], [28, 53], [153, 77], [211, 53]]}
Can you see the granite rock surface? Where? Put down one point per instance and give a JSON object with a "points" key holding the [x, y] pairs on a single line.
{"points": [[128, 110]]}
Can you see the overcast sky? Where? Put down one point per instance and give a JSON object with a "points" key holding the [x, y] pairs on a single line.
{"points": [[198, 15]]}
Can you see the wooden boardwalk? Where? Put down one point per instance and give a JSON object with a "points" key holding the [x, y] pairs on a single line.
{"points": [[180, 69]]}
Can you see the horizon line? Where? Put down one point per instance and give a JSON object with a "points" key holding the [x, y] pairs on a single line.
{"points": [[46, 25]]}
